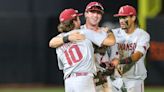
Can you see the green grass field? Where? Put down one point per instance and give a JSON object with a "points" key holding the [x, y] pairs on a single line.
{"points": [[147, 89]]}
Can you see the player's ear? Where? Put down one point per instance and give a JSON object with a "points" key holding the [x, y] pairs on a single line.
{"points": [[85, 14], [133, 18]]}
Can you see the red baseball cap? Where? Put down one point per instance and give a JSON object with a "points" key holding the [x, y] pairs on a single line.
{"points": [[126, 10], [94, 6], [68, 14]]}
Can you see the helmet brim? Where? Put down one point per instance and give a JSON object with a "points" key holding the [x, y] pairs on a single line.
{"points": [[96, 10], [122, 15], [80, 14]]}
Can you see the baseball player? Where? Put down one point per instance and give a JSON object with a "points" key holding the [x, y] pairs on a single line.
{"points": [[132, 43], [76, 55], [93, 15]]}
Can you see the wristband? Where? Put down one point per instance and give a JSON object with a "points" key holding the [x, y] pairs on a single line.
{"points": [[127, 60], [65, 39]]}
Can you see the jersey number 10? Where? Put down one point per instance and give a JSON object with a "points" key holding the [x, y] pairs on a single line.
{"points": [[73, 54]]}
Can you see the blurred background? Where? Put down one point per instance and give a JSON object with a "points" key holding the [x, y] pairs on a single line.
{"points": [[26, 26]]}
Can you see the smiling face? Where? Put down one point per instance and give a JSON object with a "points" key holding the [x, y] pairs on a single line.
{"points": [[93, 17]]}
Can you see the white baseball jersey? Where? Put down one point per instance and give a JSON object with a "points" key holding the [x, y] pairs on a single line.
{"points": [[99, 58], [79, 56], [103, 59], [127, 45], [110, 53]]}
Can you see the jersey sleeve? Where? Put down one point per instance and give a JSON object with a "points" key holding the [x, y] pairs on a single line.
{"points": [[60, 64], [143, 43], [96, 37]]}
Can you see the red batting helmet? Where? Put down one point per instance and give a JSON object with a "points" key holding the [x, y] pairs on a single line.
{"points": [[94, 6], [68, 14], [126, 10]]}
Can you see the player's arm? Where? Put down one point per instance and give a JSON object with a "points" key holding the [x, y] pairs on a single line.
{"points": [[102, 38], [110, 40], [133, 58], [60, 40], [136, 56], [141, 48], [56, 42]]}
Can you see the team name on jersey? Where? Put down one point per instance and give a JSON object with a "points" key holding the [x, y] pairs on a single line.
{"points": [[127, 46]]}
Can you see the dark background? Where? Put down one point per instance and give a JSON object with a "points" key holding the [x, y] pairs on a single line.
{"points": [[26, 26]]}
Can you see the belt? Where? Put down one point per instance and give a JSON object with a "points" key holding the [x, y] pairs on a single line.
{"points": [[78, 74]]}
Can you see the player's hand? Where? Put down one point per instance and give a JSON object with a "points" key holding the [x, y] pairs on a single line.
{"points": [[115, 62], [76, 36], [105, 29], [111, 66]]}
